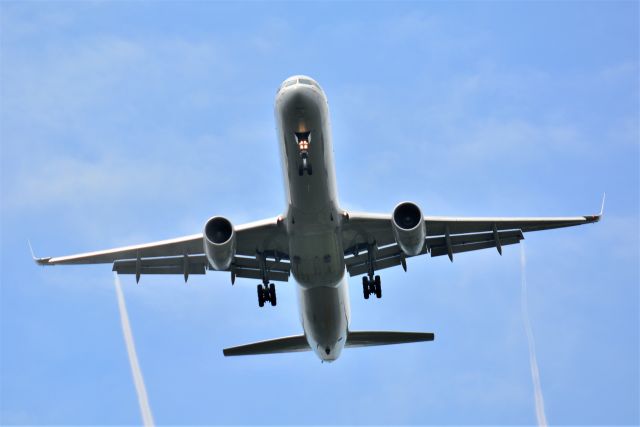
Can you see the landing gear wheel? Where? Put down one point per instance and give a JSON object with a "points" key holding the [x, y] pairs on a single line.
{"points": [[300, 169], [260, 296], [309, 170], [378, 287], [365, 287], [272, 294]]}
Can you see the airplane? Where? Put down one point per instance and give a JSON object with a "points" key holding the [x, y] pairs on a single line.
{"points": [[317, 241]]}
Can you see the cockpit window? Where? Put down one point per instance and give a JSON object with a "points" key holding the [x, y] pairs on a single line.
{"points": [[286, 84], [309, 82], [301, 81]]}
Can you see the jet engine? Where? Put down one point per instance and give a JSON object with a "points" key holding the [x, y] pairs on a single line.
{"points": [[219, 242], [409, 228]]}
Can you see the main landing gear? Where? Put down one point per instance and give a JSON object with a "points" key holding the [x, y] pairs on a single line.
{"points": [[267, 293], [371, 286], [370, 283]]}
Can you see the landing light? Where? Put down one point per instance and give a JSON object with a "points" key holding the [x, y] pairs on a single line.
{"points": [[303, 139]]}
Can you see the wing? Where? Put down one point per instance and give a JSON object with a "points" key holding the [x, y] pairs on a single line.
{"points": [[262, 249], [370, 245]]}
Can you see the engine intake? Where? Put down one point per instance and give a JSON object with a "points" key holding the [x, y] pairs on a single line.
{"points": [[219, 242], [409, 228]]}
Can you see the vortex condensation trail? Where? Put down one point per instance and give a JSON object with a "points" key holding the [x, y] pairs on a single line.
{"points": [[141, 391], [535, 373]]}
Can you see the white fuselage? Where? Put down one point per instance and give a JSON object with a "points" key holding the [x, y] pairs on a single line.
{"points": [[313, 217]]}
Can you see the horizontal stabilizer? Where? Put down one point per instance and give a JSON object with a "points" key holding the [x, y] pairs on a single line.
{"points": [[354, 339], [367, 338], [278, 345]]}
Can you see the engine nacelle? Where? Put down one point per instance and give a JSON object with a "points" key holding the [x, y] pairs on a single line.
{"points": [[219, 242], [409, 228]]}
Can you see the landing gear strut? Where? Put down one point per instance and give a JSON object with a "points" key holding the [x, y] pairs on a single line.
{"points": [[370, 287], [267, 293], [371, 284]]}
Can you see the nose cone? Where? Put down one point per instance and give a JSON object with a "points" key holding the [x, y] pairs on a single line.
{"points": [[299, 79], [302, 105], [299, 84], [298, 96]]}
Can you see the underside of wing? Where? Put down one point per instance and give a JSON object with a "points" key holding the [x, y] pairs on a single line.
{"points": [[261, 252], [370, 244]]}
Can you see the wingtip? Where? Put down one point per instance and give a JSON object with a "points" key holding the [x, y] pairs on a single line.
{"points": [[598, 217], [39, 261], [31, 249]]}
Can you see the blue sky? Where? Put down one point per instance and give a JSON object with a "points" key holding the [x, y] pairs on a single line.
{"points": [[126, 122]]}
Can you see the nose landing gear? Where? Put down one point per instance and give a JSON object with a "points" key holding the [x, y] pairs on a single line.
{"points": [[304, 140]]}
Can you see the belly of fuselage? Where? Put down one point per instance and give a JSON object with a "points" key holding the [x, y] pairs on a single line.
{"points": [[325, 316], [316, 256], [312, 218]]}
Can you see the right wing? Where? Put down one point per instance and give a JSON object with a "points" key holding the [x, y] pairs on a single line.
{"points": [[262, 248]]}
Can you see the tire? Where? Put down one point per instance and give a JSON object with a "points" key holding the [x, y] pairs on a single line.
{"points": [[365, 287], [378, 287], [260, 296], [300, 170], [272, 294], [309, 170]]}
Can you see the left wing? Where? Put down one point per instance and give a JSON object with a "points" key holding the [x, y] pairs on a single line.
{"points": [[369, 242], [261, 249]]}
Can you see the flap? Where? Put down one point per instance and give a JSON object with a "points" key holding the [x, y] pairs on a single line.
{"points": [[392, 255], [245, 267]]}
